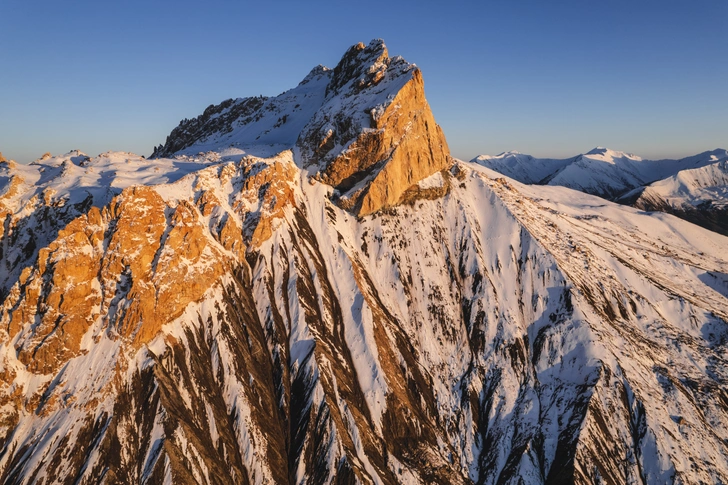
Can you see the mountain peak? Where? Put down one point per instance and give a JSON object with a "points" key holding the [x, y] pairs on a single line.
{"points": [[609, 154], [375, 136], [509, 153], [315, 73], [365, 127], [598, 150], [360, 63]]}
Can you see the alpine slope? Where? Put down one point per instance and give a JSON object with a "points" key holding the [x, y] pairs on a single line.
{"points": [[310, 289]]}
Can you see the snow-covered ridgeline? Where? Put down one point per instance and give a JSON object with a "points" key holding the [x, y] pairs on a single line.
{"points": [[601, 171]]}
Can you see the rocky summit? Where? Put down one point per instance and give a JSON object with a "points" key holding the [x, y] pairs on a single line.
{"points": [[364, 127], [308, 289]]}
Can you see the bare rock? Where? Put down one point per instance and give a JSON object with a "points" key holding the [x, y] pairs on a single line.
{"points": [[375, 136]]}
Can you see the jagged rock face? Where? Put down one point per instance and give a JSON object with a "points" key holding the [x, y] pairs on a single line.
{"points": [[215, 119], [26, 206], [220, 319], [460, 338], [40, 199], [365, 126], [139, 262], [374, 147]]}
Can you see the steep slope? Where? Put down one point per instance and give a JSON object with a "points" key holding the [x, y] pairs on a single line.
{"points": [[640, 276], [225, 318], [698, 195], [458, 339]]}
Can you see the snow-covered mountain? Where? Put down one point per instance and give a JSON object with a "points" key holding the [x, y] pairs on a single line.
{"points": [[699, 195], [693, 188], [601, 171], [364, 128], [348, 304], [524, 168]]}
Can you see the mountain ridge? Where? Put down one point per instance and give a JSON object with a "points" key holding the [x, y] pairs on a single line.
{"points": [[351, 121], [617, 172], [225, 316], [699, 195], [628, 179]]}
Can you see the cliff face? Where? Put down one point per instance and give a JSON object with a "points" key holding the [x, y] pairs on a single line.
{"points": [[222, 317], [364, 128], [138, 262], [375, 135]]}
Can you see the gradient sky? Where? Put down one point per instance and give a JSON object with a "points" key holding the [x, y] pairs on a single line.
{"points": [[552, 79]]}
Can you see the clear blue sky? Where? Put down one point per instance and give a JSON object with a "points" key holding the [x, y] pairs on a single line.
{"points": [[545, 78]]}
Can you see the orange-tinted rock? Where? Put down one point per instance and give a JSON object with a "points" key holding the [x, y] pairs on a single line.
{"points": [[419, 148], [11, 188], [69, 305], [132, 267], [207, 202], [230, 235], [145, 275], [185, 270], [267, 190], [377, 136]]}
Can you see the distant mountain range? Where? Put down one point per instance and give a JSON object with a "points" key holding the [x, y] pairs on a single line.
{"points": [[693, 188]]}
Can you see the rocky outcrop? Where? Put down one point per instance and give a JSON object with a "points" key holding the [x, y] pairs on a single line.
{"points": [[216, 119], [119, 267], [379, 137], [267, 191], [364, 128], [24, 207]]}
